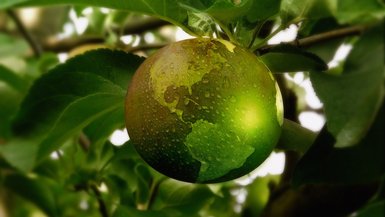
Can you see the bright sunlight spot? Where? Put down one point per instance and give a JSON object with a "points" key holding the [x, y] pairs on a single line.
{"points": [[119, 137], [29, 16], [87, 11], [80, 23], [181, 35], [285, 35], [149, 37], [341, 53], [273, 165], [56, 155], [127, 39], [103, 187], [311, 98], [312, 120], [62, 57], [83, 205]]}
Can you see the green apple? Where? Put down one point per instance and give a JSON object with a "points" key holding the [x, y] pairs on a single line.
{"points": [[204, 110]]}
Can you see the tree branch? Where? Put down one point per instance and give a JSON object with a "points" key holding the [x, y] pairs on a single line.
{"points": [[321, 37], [348, 31], [141, 26], [137, 27], [102, 206], [37, 50], [145, 47], [84, 142]]}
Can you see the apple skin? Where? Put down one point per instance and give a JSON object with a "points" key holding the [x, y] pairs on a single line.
{"points": [[203, 111]]}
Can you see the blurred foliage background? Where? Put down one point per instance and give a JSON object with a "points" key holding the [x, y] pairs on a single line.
{"points": [[61, 109]]}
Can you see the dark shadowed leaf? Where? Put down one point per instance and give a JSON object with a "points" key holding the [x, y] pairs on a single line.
{"points": [[258, 195], [286, 58], [263, 9], [294, 137], [11, 93], [35, 190], [352, 98], [357, 164], [373, 210]]}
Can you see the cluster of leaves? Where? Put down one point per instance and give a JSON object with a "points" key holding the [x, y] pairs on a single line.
{"points": [[56, 119]]}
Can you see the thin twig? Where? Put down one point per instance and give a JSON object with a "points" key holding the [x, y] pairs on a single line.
{"points": [[137, 27], [68, 44], [145, 47], [338, 33], [102, 206], [23, 30], [321, 37], [141, 26], [84, 142]]}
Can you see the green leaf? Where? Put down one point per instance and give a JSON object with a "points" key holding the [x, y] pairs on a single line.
{"points": [[11, 46], [326, 50], [223, 10], [258, 195], [144, 184], [11, 88], [76, 116], [261, 10], [20, 153], [352, 98], [294, 137], [35, 190], [9, 3], [360, 11], [313, 9], [99, 131], [285, 58], [122, 173], [12, 79], [71, 96], [226, 10], [181, 196], [169, 10], [124, 211], [352, 165]]}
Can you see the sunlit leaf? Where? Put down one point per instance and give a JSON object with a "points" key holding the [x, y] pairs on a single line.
{"points": [[184, 197], [69, 98], [11, 46], [360, 11], [168, 9]]}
